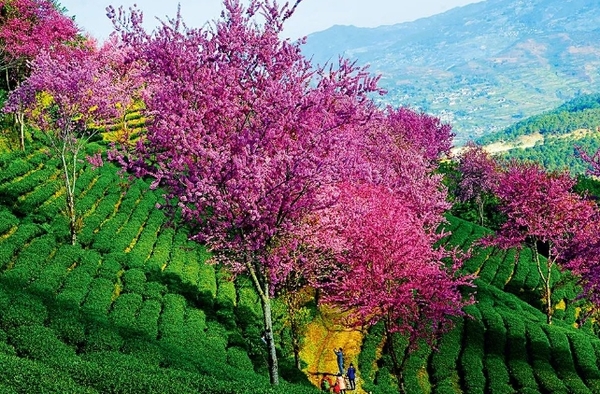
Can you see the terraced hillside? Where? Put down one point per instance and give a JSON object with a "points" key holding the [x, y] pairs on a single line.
{"points": [[134, 308], [505, 346]]}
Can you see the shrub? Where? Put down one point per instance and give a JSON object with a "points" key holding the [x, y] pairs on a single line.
{"points": [[238, 358], [23, 310], [124, 312], [147, 319], [98, 300], [134, 281], [40, 343]]}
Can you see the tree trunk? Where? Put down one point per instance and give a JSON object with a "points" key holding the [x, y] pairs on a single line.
{"points": [[70, 190], [546, 280], [296, 342], [262, 287], [20, 116]]}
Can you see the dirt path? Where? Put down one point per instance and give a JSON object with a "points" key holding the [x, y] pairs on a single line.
{"points": [[323, 335]]}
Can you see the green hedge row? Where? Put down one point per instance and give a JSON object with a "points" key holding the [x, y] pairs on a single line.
{"points": [[11, 191], [7, 221], [74, 290], [30, 261], [539, 353], [563, 360], [522, 267], [15, 169], [91, 223], [11, 245], [471, 359], [98, 300], [170, 324], [585, 359], [162, 251], [444, 360], [130, 230], [506, 267], [517, 356], [124, 311], [145, 242], [147, 319], [30, 202]]}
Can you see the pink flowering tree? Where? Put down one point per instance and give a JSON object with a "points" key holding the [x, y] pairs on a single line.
{"points": [[69, 96], [431, 137], [478, 177], [543, 213], [390, 270], [247, 138], [27, 28]]}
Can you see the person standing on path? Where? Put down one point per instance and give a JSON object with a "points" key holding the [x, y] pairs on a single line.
{"points": [[342, 383], [340, 359], [352, 377]]}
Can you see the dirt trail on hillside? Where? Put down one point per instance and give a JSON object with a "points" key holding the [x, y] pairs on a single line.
{"points": [[323, 335]]}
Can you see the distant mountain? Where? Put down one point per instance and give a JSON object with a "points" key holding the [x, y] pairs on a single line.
{"points": [[482, 66]]}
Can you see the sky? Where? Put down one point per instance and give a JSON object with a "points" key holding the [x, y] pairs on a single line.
{"points": [[311, 15]]}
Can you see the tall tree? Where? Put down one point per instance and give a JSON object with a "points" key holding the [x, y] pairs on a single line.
{"points": [[70, 95], [478, 177], [543, 213], [27, 28], [390, 270], [246, 137]]}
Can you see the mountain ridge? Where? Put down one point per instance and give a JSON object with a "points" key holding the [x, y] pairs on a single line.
{"points": [[481, 66]]}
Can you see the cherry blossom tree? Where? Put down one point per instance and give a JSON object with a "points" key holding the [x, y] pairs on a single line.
{"points": [[431, 137], [478, 177], [542, 212], [27, 28], [390, 270], [246, 137], [70, 95]]}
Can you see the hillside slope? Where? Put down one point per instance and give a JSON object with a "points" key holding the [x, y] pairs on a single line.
{"points": [[481, 66], [135, 308]]}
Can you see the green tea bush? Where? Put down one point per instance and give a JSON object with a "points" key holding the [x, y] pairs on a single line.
{"points": [[563, 360], [506, 267], [7, 221], [522, 267], [238, 358], [91, 223], [171, 320], [28, 376], [585, 359], [16, 168], [100, 337], [68, 325], [444, 360], [11, 191], [539, 354], [9, 246], [154, 291], [162, 251], [31, 201], [124, 312], [471, 359], [518, 363], [74, 290], [39, 343], [225, 298], [134, 281], [147, 319], [98, 300], [23, 310], [111, 265]]}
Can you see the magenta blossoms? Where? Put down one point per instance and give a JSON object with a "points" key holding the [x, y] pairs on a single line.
{"points": [[247, 138]]}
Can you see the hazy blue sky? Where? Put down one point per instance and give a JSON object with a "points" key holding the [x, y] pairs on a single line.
{"points": [[311, 15]]}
